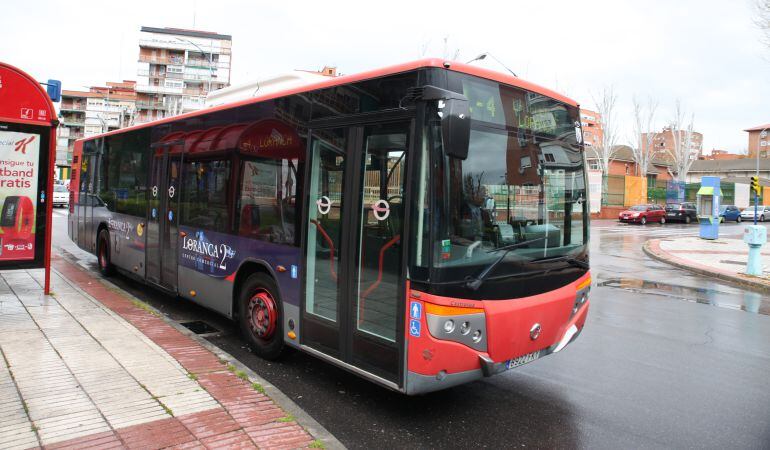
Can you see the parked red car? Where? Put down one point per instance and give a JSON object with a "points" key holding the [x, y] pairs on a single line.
{"points": [[643, 214]]}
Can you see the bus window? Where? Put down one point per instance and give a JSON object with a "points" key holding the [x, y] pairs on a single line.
{"points": [[204, 197], [268, 200]]}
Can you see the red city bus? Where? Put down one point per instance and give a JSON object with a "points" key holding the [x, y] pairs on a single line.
{"points": [[422, 225]]}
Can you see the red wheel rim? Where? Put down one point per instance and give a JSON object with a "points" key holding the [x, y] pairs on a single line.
{"points": [[262, 314]]}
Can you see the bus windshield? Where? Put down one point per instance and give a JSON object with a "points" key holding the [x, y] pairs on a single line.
{"points": [[521, 191]]}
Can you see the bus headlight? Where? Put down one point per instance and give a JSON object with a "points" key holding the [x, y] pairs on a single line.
{"points": [[467, 326], [581, 296]]}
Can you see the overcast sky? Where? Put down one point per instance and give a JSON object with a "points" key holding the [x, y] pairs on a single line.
{"points": [[706, 53]]}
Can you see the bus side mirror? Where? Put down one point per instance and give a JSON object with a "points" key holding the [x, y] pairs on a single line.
{"points": [[454, 111], [455, 127]]}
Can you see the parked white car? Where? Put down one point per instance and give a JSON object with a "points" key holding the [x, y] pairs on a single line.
{"points": [[763, 213], [61, 196]]}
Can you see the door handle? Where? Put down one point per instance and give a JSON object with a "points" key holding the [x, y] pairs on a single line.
{"points": [[182, 234]]}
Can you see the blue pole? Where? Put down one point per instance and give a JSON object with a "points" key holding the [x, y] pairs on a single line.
{"points": [[756, 202]]}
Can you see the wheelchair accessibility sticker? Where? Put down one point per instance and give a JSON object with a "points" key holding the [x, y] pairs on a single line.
{"points": [[414, 328]]}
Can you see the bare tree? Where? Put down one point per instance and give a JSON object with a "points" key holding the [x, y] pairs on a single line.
{"points": [[684, 151], [605, 151], [762, 18], [644, 150]]}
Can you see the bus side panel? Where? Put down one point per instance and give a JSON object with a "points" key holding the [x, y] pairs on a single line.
{"points": [[209, 261], [127, 239]]}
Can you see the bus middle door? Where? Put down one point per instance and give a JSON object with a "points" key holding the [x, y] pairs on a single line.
{"points": [[162, 251]]}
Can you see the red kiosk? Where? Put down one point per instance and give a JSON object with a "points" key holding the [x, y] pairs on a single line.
{"points": [[27, 155]]}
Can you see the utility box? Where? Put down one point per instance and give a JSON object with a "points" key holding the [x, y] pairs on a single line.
{"points": [[755, 235], [709, 199]]}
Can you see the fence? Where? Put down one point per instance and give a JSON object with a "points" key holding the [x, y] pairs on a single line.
{"points": [[621, 191]]}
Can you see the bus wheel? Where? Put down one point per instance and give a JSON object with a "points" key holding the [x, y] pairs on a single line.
{"points": [[103, 254], [260, 315]]}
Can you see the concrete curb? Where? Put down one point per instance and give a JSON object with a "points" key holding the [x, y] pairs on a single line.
{"points": [[745, 281], [301, 417]]}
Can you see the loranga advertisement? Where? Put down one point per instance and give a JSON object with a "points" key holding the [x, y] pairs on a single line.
{"points": [[18, 190]]}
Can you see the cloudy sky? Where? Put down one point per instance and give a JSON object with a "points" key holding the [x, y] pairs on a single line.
{"points": [[706, 53]]}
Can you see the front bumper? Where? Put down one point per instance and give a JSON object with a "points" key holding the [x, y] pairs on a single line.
{"points": [[417, 383]]}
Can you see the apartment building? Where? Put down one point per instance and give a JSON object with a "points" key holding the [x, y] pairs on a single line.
{"points": [[177, 69], [757, 142], [87, 113], [591, 122], [664, 143]]}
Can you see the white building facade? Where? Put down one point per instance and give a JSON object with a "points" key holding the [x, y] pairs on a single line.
{"points": [[177, 69]]}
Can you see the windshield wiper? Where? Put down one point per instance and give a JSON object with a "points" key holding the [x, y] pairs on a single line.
{"points": [[475, 283], [568, 259]]}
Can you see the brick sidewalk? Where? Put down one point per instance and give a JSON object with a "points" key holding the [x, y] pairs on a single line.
{"points": [[724, 259], [95, 370]]}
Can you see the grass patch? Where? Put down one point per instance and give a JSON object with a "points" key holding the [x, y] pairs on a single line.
{"points": [[258, 387], [142, 305], [286, 418], [168, 410], [231, 368], [317, 444], [192, 376], [34, 428], [242, 375]]}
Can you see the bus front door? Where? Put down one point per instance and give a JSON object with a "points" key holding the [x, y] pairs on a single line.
{"points": [[354, 277], [162, 230]]}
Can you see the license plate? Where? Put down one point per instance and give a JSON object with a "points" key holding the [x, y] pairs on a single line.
{"points": [[521, 360], [670, 214]]}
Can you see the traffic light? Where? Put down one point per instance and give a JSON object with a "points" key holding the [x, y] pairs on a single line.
{"points": [[755, 185]]}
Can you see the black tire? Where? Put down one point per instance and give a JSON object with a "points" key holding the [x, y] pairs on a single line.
{"points": [[738, 219], [268, 347], [643, 221], [687, 220], [662, 220], [106, 268], [762, 218]]}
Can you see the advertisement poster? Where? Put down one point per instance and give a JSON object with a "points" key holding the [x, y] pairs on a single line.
{"points": [[19, 156]]}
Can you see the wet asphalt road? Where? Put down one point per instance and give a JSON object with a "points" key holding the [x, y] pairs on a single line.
{"points": [[667, 359]]}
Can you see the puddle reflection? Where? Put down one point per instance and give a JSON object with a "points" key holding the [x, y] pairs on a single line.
{"points": [[748, 301]]}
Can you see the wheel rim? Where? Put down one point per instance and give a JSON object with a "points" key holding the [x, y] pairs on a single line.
{"points": [[262, 314]]}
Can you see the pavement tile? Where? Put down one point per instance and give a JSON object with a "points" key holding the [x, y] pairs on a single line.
{"points": [[209, 423], [107, 439], [157, 434], [232, 440]]}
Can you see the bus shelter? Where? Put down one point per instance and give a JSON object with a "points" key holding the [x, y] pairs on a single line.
{"points": [[27, 154]]}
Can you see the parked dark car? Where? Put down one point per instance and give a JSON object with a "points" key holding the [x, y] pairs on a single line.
{"points": [[729, 213], [643, 214], [681, 212]]}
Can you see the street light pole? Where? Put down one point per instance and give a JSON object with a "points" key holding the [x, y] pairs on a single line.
{"points": [[762, 135]]}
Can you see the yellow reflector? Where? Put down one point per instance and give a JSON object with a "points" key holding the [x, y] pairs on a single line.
{"points": [[440, 310], [587, 282], [292, 335]]}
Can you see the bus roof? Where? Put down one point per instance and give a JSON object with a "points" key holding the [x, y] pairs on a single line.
{"points": [[377, 73]]}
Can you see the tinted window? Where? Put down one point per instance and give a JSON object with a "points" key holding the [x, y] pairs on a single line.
{"points": [[123, 175], [365, 96], [205, 195], [267, 205]]}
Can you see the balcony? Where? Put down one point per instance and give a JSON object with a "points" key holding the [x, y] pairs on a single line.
{"points": [[73, 107], [73, 122], [159, 90], [151, 105], [174, 60], [195, 92]]}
